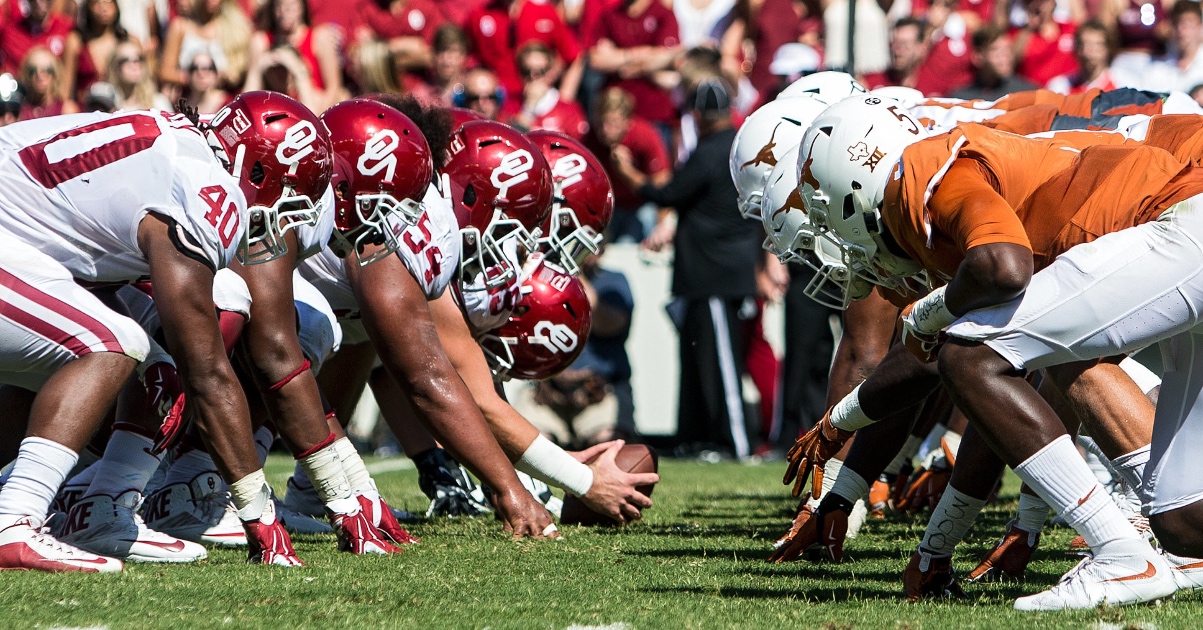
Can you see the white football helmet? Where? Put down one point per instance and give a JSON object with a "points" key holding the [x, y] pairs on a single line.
{"points": [[829, 87], [844, 164], [766, 135], [792, 238], [909, 96]]}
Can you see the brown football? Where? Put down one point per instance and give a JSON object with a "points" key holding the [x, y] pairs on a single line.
{"points": [[633, 458]]}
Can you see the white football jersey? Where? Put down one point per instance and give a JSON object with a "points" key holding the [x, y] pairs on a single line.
{"points": [[77, 187], [430, 251], [485, 308], [311, 239]]}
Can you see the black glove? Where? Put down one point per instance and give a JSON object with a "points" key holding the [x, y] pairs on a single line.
{"points": [[448, 486]]}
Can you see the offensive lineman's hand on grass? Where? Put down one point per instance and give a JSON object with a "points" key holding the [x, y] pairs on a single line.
{"points": [[524, 516]]}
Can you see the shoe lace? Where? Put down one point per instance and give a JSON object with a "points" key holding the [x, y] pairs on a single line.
{"points": [[56, 545]]}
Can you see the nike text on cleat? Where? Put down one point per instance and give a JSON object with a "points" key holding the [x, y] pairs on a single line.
{"points": [[112, 527], [927, 575], [1112, 578], [1008, 559], [199, 511], [22, 546]]}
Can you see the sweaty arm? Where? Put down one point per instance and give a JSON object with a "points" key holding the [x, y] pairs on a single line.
{"points": [[184, 298], [398, 321], [278, 365], [610, 491], [998, 255]]}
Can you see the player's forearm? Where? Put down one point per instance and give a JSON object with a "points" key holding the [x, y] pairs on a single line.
{"points": [[220, 412]]}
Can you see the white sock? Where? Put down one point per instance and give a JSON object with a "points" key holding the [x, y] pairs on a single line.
{"points": [[905, 456], [85, 476], [127, 465], [1131, 467], [849, 485], [189, 466], [264, 437], [41, 467], [1095, 458], [950, 521], [326, 472], [1032, 513], [831, 471], [1062, 479], [353, 467]]}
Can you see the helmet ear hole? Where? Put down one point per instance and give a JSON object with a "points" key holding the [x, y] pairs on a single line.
{"points": [[470, 196], [849, 207], [257, 175]]}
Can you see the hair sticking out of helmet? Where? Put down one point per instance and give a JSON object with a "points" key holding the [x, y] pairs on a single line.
{"points": [[547, 331], [382, 171], [772, 130], [500, 187], [844, 164], [280, 153], [583, 202]]}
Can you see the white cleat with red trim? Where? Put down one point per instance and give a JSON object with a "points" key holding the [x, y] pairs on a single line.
{"points": [[111, 527], [199, 511], [1133, 574], [23, 546]]}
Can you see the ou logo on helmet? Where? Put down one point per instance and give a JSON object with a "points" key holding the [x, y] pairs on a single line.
{"points": [[569, 169], [297, 143], [555, 337], [515, 169], [378, 154]]}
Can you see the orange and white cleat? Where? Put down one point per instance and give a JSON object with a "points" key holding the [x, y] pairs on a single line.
{"points": [[930, 576]]}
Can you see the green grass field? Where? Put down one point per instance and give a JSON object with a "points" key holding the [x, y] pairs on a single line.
{"points": [[696, 561]]}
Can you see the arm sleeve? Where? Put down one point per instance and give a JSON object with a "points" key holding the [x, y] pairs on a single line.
{"points": [[968, 209]]}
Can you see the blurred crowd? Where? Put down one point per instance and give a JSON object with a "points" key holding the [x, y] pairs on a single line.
{"points": [[623, 76]]}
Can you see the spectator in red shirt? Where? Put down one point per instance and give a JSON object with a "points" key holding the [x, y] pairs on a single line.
{"points": [[501, 28], [33, 24], [1045, 46], [617, 129], [543, 106], [457, 12], [947, 65], [907, 52], [773, 23], [635, 44], [481, 93], [39, 76], [994, 67], [407, 25], [284, 32], [1094, 47]]}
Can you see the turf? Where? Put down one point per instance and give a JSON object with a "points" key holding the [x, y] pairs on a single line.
{"points": [[696, 561]]}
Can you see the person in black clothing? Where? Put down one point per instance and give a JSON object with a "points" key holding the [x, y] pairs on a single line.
{"points": [[714, 275], [994, 67]]}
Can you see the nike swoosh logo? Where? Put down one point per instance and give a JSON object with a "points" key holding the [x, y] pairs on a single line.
{"points": [[1088, 495], [177, 545], [1193, 565], [1149, 572]]}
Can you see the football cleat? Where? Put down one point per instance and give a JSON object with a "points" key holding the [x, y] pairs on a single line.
{"points": [[1009, 559], [1112, 579], [23, 546], [822, 531], [1187, 572], [268, 541], [448, 486], [297, 523], [358, 535], [927, 575], [68, 496], [879, 497], [199, 511], [304, 500], [112, 527], [382, 516]]}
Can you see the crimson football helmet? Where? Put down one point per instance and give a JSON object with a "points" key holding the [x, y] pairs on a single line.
{"points": [[583, 202], [460, 115], [500, 186], [280, 153], [382, 168], [547, 330]]}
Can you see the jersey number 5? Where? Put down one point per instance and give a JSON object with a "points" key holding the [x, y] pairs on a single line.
{"points": [[81, 150]]}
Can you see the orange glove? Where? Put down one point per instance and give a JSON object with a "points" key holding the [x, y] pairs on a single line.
{"points": [[811, 451], [813, 529], [925, 490]]}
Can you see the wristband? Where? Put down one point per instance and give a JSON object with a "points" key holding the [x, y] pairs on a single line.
{"points": [[930, 314], [554, 466], [848, 415]]}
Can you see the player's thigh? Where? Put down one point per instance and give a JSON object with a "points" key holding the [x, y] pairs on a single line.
{"points": [[1171, 476], [47, 320], [1116, 294]]}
